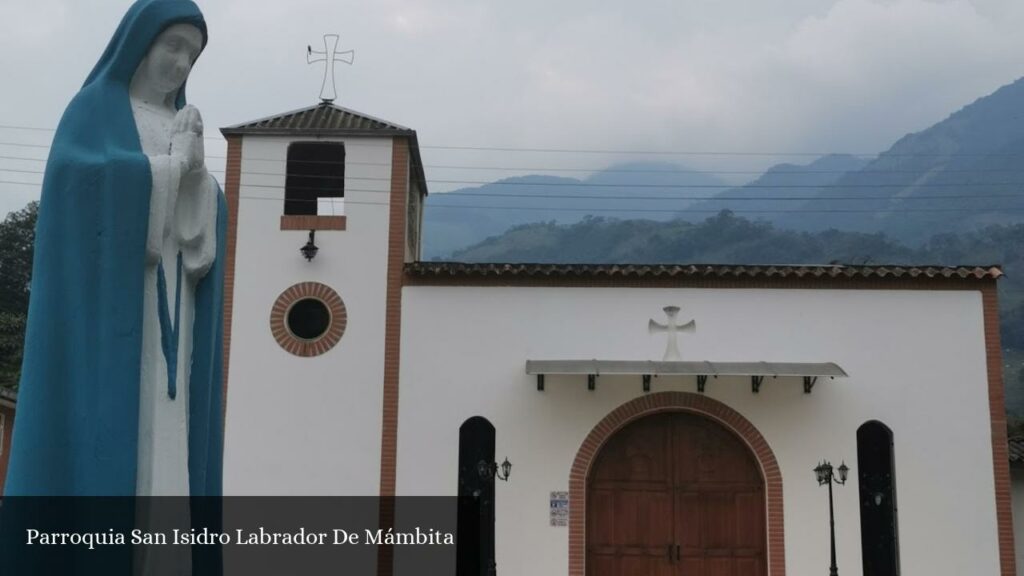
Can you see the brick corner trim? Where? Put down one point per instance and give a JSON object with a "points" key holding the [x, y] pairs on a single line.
{"points": [[675, 402], [997, 415], [398, 196], [232, 181], [301, 346]]}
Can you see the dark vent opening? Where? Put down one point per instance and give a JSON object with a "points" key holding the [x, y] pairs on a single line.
{"points": [[309, 319], [315, 170]]}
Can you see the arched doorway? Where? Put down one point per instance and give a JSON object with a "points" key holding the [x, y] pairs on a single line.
{"points": [[675, 493]]}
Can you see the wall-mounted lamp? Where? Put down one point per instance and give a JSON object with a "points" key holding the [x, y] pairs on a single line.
{"points": [[310, 249], [489, 471]]}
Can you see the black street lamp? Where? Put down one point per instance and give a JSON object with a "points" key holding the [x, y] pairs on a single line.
{"points": [[824, 474]]}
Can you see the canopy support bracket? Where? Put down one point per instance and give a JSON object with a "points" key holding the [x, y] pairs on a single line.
{"points": [[755, 383], [809, 382], [591, 382], [702, 381], [647, 382], [540, 382]]}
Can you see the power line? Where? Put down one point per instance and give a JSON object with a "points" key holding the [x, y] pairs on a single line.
{"points": [[830, 186], [639, 210], [715, 153], [22, 159], [604, 170], [24, 145], [655, 211], [33, 128], [583, 170], [38, 129], [760, 153], [626, 210]]}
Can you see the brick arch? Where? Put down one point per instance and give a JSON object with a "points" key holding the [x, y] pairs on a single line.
{"points": [[675, 402]]}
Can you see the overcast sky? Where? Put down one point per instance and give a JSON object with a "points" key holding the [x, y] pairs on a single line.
{"points": [[671, 75]]}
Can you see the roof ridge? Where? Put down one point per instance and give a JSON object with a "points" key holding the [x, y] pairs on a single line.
{"points": [[271, 117], [322, 117], [365, 115], [966, 272]]}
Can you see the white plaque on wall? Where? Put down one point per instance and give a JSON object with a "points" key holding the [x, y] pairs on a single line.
{"points": [[559, 510]]}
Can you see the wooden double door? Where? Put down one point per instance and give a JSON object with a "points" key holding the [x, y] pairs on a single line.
{"points": [[675, 494]]}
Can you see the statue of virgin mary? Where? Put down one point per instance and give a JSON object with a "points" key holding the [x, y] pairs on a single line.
{"points": [[121, 382], [120, 392]]}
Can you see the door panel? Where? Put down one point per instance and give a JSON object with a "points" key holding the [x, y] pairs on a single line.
{"points": [[720, 503], [692, 565], [629, 504], [687, 523], [675, 494], [750, 531], [749, 567]]}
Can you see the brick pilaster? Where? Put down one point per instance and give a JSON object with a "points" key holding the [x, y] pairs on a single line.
{"points": [[392, 342], [997, 412], [232, 181]]}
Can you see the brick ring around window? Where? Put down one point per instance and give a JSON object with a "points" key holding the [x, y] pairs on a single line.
{"points": [[308, 319]]}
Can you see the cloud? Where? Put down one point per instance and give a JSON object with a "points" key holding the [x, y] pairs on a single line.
{"points": [[855, 77], [703, 75], [852, 77]]}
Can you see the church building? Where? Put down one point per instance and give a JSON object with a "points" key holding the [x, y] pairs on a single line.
{"points": [[612, 419]]}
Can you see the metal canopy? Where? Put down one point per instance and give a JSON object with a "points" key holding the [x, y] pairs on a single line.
{"points": [[756, 371]]}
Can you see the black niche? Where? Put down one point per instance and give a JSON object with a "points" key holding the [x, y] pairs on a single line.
{"points": [[876, 475], [309, 319], [475, 528], [315, 170]]}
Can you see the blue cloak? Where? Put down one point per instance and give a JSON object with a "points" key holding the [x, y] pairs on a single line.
{"points": [[76, 430]]}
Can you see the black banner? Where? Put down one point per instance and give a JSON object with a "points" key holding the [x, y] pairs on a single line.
{"points": [[273, 536]]}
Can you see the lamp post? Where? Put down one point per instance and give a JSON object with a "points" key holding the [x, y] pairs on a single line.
{"points": [[824, 474]]}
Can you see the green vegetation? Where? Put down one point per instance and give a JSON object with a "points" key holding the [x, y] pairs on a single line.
{"points": [[17, 234]]}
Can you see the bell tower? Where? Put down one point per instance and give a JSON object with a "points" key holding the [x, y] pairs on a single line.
{"points": [[325, 208]]}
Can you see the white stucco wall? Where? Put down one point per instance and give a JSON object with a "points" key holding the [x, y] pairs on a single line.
{"points": [[307, 426], [916, 362]]}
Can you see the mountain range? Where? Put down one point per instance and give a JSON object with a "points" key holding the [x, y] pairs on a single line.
{"points": [[959, 175], [458, 219]]}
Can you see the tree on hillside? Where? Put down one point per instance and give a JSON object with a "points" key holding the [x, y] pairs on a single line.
{"points": [[17, 235]]}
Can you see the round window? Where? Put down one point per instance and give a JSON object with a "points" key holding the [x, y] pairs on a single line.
{"points": [[308, 319]]}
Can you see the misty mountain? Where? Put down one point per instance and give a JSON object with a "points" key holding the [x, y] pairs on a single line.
{"points": [[961, 174], [651, 190], [781, 180]]}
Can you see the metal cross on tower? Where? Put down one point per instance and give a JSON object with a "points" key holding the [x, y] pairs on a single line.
{"points": [[672, 327], [331, 56]]}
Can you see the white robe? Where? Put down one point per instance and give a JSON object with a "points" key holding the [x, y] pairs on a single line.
{"points": [[183, 218]]}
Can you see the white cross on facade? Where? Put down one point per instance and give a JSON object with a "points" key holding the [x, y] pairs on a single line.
{"points": [[331, 56], [672, 327]]}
